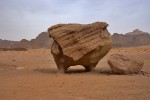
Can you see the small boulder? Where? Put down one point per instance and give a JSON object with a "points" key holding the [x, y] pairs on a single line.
{"points": [[121, 64]]}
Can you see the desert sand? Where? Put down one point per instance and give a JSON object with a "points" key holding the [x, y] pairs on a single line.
{"points": [[32, 75]]}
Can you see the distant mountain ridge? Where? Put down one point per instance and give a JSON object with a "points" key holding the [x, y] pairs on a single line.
{"points": [[7, 43], [41, 41], [135, 38]]}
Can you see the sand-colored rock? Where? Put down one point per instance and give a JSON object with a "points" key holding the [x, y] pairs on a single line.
{"points": [[79, 44], [121, 64]]}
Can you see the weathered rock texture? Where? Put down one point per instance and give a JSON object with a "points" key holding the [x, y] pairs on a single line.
{"points": [[121, 64], [77, 44]]}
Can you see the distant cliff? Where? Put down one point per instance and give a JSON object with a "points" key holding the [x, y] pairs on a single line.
{"points": [[41, 41], [7, 43], [135, 38]]}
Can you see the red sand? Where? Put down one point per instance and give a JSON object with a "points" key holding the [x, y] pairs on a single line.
{"points": [[31, 75]]}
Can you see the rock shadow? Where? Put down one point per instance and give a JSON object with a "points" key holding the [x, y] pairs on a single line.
{"points": [[73, 71], [82, 71], [46, 70]]}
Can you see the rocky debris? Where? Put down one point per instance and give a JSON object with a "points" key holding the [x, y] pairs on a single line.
{"points": [[121, 64], [135, 38], [79, 44]]}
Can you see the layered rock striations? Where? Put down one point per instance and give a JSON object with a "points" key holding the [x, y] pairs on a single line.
{"points": [[79, 44]]}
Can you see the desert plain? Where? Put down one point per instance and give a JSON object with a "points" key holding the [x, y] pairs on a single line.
{"points": [[32, 75]]}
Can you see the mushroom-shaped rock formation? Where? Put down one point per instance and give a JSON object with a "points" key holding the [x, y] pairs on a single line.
{"points": [[79, 44]]}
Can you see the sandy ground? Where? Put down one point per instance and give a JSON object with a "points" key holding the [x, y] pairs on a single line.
{"points": [[32, 75]]}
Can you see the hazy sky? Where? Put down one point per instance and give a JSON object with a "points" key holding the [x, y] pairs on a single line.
{"points": [[27, 18]]}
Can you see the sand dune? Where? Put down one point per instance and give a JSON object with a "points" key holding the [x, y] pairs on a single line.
{"points": [[32, 75]]}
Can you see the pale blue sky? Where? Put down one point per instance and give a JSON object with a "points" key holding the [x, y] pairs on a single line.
{"points": [[27, 18]]}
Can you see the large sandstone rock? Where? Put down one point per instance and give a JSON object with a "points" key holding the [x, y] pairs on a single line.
{"points": [[121, 64], [79, 44]]}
